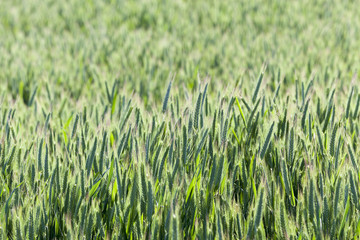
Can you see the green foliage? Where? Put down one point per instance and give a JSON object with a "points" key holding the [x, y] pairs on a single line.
{"points": [[96, 142]]}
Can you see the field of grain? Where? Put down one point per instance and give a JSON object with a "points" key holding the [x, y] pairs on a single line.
{"points": [[157, 119]]}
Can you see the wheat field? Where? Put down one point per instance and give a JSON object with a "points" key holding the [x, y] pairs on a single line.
{"points": [[157, 119]]}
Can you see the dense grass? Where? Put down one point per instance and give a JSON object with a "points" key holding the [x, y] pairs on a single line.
{"points": [[179, 120]]}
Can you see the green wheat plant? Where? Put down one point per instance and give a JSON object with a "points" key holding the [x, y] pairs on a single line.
{"points": [[256, 136]]}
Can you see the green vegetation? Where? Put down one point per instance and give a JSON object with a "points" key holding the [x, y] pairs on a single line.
{"points": [[179, 119]]}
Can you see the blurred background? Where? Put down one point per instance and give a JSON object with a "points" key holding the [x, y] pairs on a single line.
{"points": [[69, 46]]}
